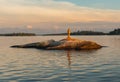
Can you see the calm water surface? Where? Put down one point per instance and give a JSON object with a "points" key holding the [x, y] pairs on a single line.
{"points": [[34, 65]]}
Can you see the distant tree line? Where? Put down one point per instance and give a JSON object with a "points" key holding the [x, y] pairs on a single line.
{"points": [[87, 33], [114, 32], [18, 34]]}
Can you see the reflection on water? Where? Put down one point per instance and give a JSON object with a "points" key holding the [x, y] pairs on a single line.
{"points": [[69, 59], [31, 65]]}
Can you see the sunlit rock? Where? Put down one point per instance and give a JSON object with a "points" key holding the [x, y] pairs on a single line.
{"points": [[64, 44]]}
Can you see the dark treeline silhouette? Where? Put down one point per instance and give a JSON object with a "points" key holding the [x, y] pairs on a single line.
{"points": [[18, 34], [114, 32], [80, 33], [87, 33]]}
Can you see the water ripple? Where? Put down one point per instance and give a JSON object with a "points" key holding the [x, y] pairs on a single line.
{"points": [[32, 65]]}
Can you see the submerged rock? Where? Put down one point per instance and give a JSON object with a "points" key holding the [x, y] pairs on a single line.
{"points": [[63, 44]]}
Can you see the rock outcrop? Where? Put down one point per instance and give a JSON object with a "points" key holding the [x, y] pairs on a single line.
{"points": [[64, 44]]}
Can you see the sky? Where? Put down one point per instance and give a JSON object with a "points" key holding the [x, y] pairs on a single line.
{"points": [[53, 16]]}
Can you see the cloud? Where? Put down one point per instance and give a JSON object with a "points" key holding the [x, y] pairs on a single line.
{"points": [[29, 26], [17, 12]]}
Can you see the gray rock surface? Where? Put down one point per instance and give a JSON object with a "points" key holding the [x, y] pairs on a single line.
{"points": [[63, 44]]}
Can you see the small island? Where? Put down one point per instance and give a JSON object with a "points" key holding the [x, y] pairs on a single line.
{"points": [[64, 44], [18, 34]]}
